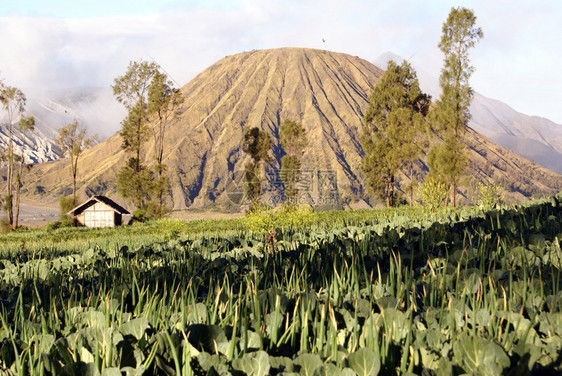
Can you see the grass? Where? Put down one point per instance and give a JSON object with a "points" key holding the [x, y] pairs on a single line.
{"points": [[71, 240]]}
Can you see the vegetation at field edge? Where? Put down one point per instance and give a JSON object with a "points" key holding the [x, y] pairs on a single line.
{"points": [[466, 291]]}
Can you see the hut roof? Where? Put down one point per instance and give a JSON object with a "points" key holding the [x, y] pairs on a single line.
{"points": [[105, 200]]}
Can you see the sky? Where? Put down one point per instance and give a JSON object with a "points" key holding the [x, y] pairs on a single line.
{"points": [[67, 44]]}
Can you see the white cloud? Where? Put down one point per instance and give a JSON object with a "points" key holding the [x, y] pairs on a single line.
{"points": [[516, 61]]}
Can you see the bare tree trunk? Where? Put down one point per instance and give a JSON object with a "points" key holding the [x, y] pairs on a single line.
{"points": [[74, 162], [10, 184], [19, 178], [454, 194], [411, 184], [390, 192], [17, 198]]}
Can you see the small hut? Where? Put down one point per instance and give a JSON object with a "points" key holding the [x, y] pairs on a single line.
{"points": [[98, 211]]}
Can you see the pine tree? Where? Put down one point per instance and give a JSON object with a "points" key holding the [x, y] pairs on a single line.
{"points": [[449, 161], [292, 138], [163, 101], [257, 144], [134, 180], [394, 126], [131, 90]]}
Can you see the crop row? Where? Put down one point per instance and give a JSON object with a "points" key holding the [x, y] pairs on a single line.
{"points": [[478, 294]]}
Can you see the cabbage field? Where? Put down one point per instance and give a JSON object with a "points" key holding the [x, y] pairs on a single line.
{"points": [[397, 292]]}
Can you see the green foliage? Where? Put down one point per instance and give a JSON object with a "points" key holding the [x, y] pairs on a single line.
{"points": [[252, 183], [292, 137], [26, 124], [13, 101], [135, 133], [134, 184], [140, 215], [480, 356], [259, 219], [257, 144], [262, 220], [163, 100], [488, 195], [72, 142], [433, 193], [145, 190], [254, 363], [51, 226], [66, 204], [459, 34], [5, 225], [364, 362], [154, 208], [290, 175], [131, 89], [7, 203], [403, 292], [145, 92], [451, 114], [394, 125], [449, 162]]}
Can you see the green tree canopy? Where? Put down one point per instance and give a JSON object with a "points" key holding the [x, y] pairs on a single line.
{"points": [[135, 185], [257, 144], [131, 90], [449, 161], [73, 140], [163, 101], [394, 124], [292, 138], [145, 92]]}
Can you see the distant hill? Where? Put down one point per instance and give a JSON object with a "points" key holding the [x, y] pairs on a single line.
{"points": [[37, 146], [326, 91], [532, 137], [94, 108], [535, 138]]}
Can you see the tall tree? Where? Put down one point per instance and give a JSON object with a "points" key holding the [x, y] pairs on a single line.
{"points": [[13, 102], [292, 137], [72, 140], [25, 124], [257, 144], [131, 90], [448, 161], [163, 101], [135, 183], [394, 124]]}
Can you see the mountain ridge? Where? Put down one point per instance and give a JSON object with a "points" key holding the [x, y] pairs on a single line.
{"points": [[94, 108], [326, 91], [532, 137]]}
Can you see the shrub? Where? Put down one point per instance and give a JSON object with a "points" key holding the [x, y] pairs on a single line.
{"points": [[488, 194], [66, 204], [433, 193], [5, 226], [52, 226], [260, 219]]}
